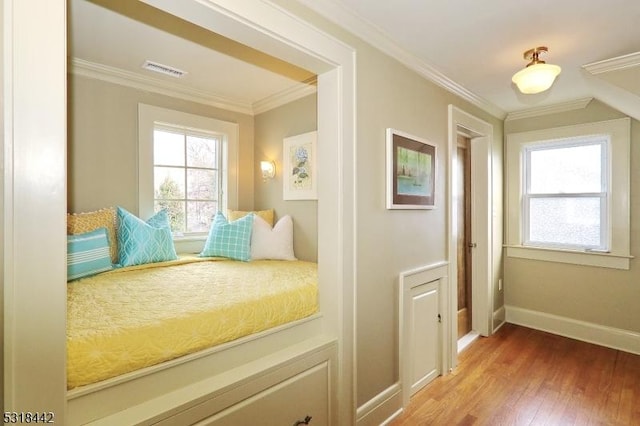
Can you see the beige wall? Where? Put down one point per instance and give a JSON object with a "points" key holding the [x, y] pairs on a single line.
{"points": [[270, 128], [393, 241], [103, 143], [601, 296]]}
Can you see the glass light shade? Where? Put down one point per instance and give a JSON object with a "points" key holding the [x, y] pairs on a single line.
{"points": [[536, 78], [268, 169]]}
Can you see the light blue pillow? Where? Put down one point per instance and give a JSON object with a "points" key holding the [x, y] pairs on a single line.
{"points": [[141, 242], [229, 239], [88, 254]]}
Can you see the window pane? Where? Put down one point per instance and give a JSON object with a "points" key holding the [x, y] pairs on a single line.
{"points": [[200, 215], [201, 152], [566, 170], [566, 221], [168, 148], [175, 211], [168, 182], [201, 184]]}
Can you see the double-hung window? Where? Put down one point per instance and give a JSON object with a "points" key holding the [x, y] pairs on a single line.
{"points": [[567, 194], [185, 162]]}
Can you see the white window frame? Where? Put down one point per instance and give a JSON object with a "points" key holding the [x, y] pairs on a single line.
{"points": [[617, 253], [150, 117], [603, 142]]}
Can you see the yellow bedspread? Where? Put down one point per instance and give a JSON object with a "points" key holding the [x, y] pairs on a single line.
{"points": [[131, 318]]}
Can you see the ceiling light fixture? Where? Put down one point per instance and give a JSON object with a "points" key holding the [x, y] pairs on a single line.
{"points": [[538, 76]]}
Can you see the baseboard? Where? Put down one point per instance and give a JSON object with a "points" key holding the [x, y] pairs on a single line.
{"points": [[499, 316], [616, 338], [382, 408]]}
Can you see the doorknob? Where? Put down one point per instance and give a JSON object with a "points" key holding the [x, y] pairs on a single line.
{"points": [[473, 245]]}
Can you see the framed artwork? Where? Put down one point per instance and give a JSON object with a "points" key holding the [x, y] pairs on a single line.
{"points": [[299, 176], [411, 171]]}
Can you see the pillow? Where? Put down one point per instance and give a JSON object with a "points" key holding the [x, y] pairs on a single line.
{"points": [[79, 223], [267, 215], [229, 239], [88, 254], [142, 242], [276, 243]]}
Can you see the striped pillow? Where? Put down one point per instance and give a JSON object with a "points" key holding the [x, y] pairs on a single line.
{"points": [[88, 254], [229, 239]]}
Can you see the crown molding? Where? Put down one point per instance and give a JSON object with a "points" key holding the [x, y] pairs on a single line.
{"points": [[549, 109], [136, 81], [284, 97], [613, 64], [351, 22]]}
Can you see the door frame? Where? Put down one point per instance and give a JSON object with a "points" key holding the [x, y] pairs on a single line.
{"points": [[481, 135]]}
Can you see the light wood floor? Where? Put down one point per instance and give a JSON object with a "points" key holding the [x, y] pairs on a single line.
{"points": [[521, 376]]}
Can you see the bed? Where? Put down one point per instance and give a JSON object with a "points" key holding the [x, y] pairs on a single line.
{"points": [[135, 317], [155, 338]]}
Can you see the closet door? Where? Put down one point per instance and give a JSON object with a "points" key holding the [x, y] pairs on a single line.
{"points": [[425, 335]]}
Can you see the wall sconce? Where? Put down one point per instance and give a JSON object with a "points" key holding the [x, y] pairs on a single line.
{"points": [[268, 170], [537, 76]]}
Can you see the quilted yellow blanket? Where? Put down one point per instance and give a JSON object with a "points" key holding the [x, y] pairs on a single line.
{"points": [[130, 318]]}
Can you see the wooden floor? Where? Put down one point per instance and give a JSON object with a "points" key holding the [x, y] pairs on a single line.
{"points": [[521, 376]]}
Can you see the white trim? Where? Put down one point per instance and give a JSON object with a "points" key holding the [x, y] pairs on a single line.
{"points": [[486, 266], [381, 407], [499, 316], [137, 81], [613, 64], [618, 254], [34, 205], [148, 116], [611, 337], [466, 340], [284, 97], [349, 21], [549, 109], [594, 258]]}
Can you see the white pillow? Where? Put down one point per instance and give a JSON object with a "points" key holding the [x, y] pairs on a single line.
{"points": [[272, 243]]}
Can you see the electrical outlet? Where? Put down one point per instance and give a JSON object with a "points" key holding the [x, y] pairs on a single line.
{"points": [[500, 284]]}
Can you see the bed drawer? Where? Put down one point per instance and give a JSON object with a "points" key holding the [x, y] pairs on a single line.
{"points": [[305, 394]]}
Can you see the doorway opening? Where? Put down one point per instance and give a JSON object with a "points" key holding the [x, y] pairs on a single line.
{"points": [[471, 230], [464, 241]]}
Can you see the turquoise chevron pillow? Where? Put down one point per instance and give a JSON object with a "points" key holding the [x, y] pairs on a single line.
{"points": [[229, 239], [88, 254], [141, 242]]}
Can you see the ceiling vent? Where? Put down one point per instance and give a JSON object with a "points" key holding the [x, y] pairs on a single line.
{"points": [[163, 69]]}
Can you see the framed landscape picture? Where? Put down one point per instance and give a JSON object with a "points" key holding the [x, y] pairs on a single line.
{"points": [[299, 177], [411, 171]]}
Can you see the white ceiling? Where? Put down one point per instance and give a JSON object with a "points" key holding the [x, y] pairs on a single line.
{"points": [[111, 39], [469, 46], [479, 45]]}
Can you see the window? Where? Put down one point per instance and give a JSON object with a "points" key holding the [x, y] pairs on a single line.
{"points": [[568, 194], [184, 164], [187, 169], [565, 196]]}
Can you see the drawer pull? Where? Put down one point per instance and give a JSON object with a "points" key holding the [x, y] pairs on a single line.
{"points": [[303, 422]]}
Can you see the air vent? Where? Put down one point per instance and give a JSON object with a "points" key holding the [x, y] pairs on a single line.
{"points": [[163, 69]]}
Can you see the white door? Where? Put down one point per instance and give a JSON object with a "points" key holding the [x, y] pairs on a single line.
{"points": [[425, 335]]}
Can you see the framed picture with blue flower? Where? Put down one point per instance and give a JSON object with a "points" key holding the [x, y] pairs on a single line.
{"points": [[299, 175], [411, 171]]}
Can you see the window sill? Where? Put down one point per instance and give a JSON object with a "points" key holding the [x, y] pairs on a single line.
{"points": [[598, 259], [189, 244]]}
